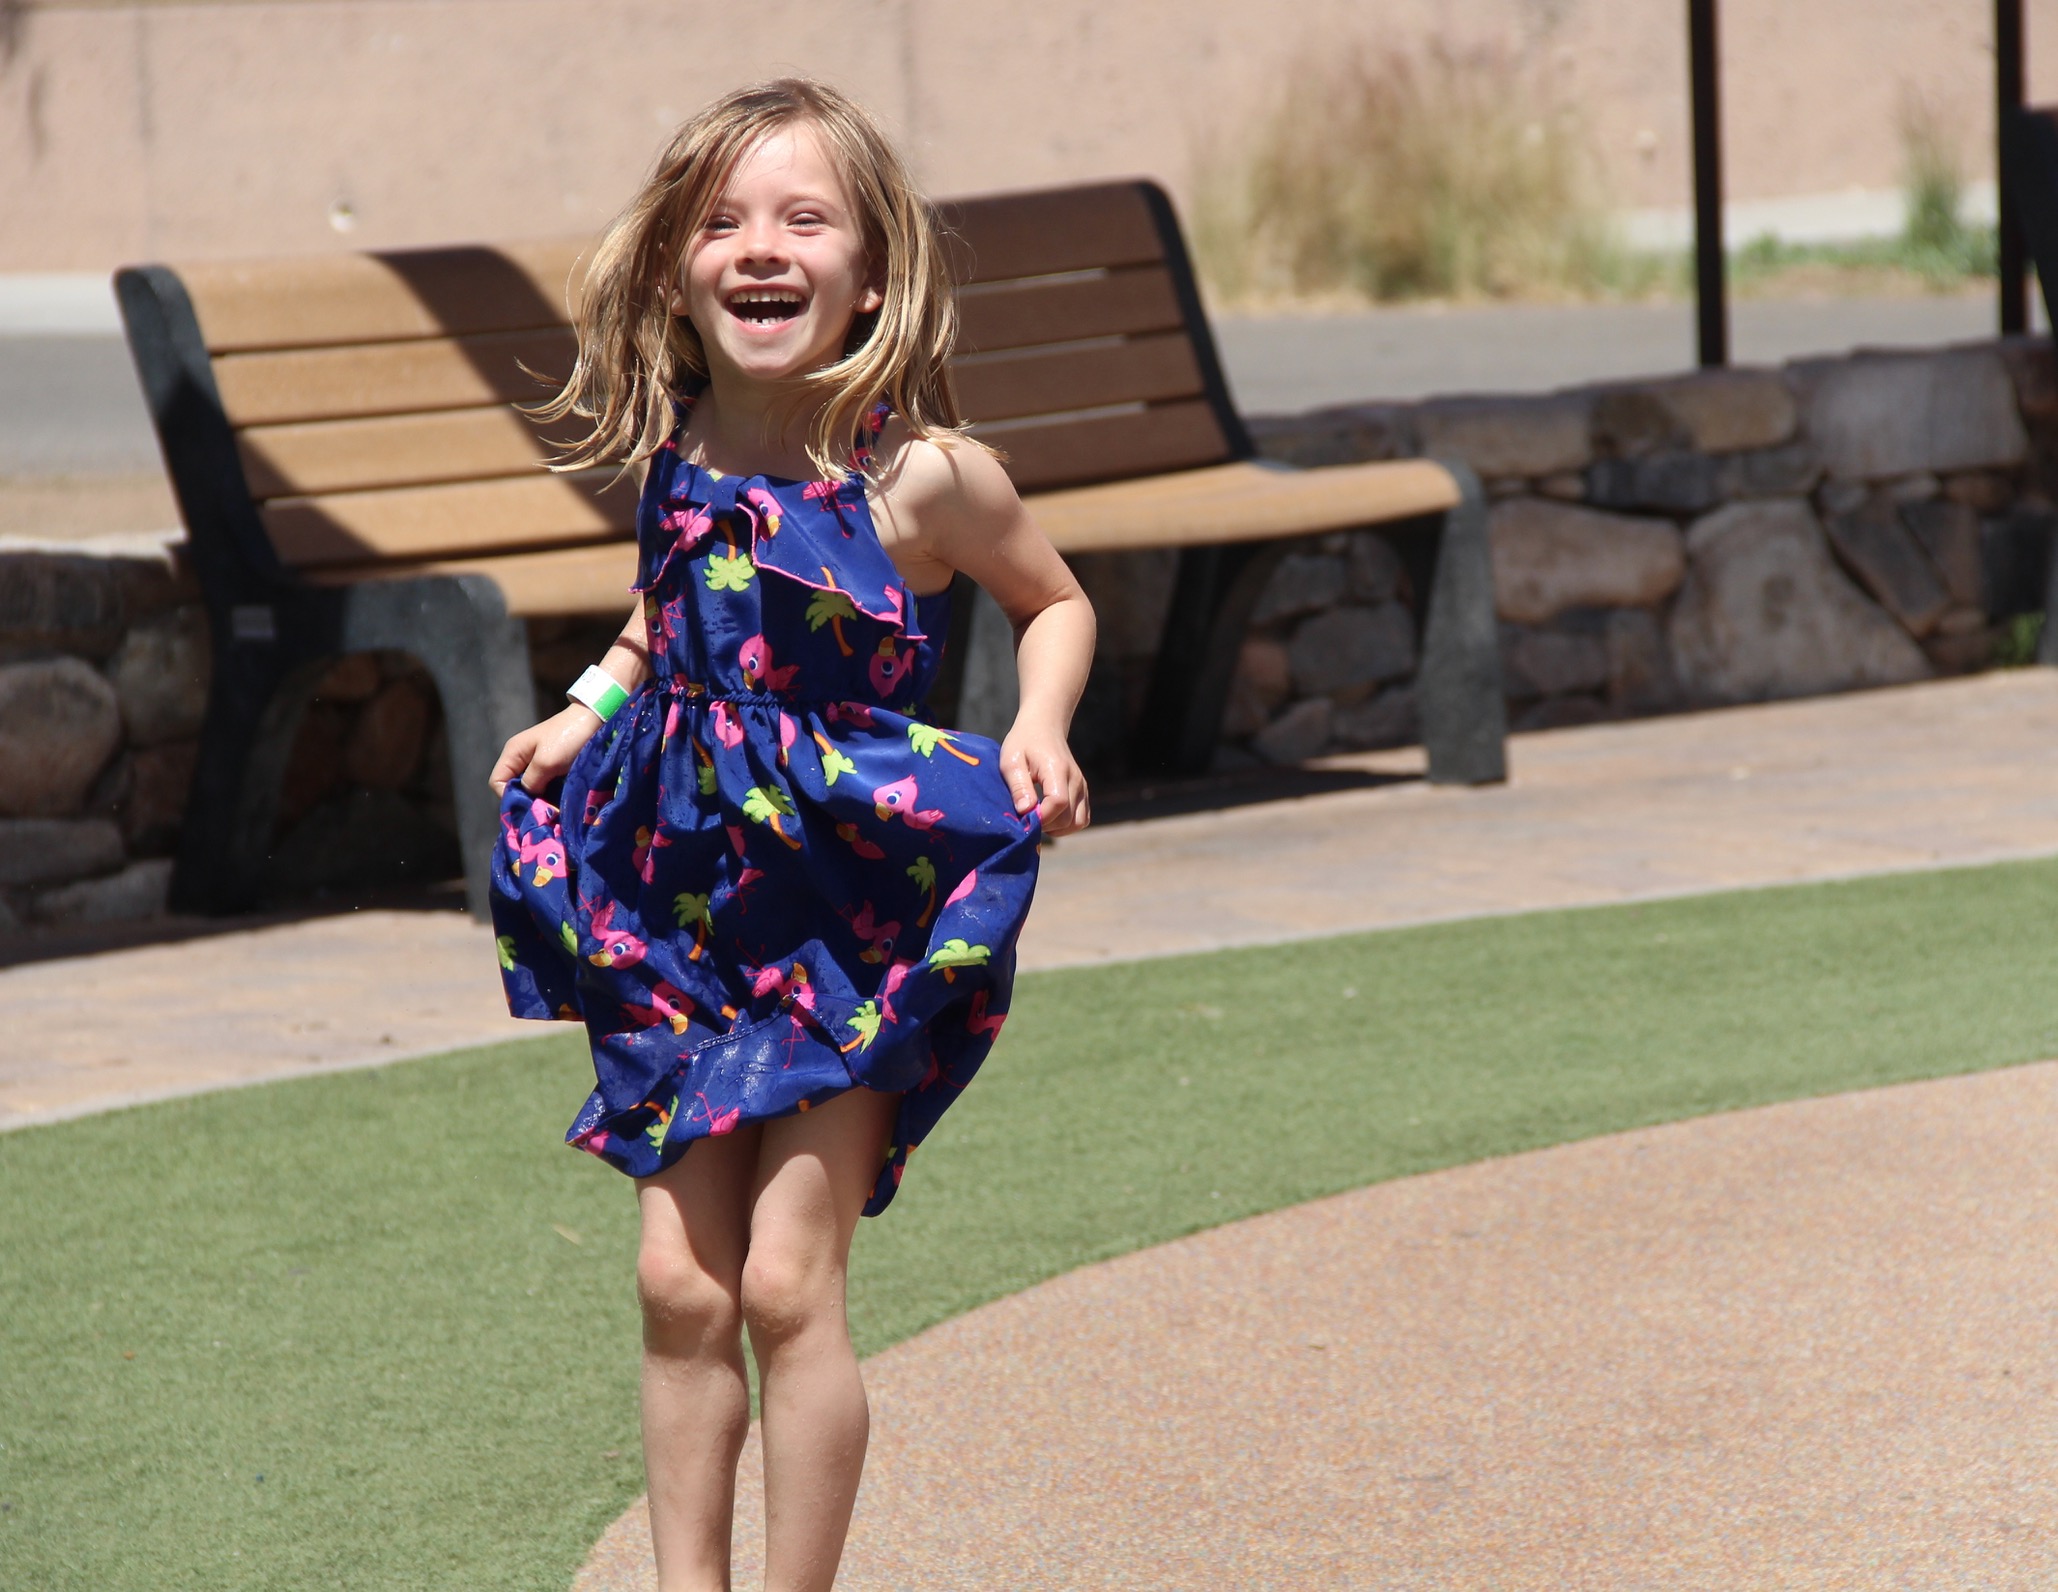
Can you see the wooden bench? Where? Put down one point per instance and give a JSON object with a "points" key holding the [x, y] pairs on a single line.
{"points": [[340, 436]]}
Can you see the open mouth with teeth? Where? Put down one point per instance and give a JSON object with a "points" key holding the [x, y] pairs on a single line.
{"points": [[766, 306]]}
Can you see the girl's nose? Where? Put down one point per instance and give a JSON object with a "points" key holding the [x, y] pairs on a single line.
{"points": [[759, 242]]}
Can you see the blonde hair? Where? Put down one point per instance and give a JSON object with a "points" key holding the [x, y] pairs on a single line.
{"points": [[636, 357]]}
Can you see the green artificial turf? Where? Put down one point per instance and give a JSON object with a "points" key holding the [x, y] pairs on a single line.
{"points": [[375, 1330]]}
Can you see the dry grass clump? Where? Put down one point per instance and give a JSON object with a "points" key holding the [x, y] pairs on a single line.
{"points": [[1382, 174]]}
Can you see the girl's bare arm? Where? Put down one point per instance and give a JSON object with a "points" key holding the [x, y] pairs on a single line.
{"points": [[542, 752], [949, 508]]}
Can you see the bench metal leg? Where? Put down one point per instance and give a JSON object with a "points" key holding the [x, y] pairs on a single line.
{"points": [[1213, 596], [1458, 682]]}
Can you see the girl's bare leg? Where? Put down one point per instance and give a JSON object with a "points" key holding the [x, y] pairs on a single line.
{"points": [[815, 1171], [696, 1398]]}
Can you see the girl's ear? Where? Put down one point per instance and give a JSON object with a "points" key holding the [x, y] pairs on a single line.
{"points": [[678, 302], [874, 295]]}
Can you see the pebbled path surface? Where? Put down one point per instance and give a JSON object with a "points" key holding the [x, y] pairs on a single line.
{"points": [[1797, 1348]]}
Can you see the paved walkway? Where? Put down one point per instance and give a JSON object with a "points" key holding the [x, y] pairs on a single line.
{"points": [[1790, 1350], [1928, 776]]}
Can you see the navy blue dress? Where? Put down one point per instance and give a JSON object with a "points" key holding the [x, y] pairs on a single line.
{"points": [[768, 880]]}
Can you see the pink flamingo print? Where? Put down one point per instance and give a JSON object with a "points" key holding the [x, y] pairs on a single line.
{"points": [[979, 1022], [792, 987], [848, 834], [966, 886], [595, 800], [728, 728], [547, 852], [858, 713], [618, 948], [767, 508], [641, 857], [718, 1122], [754, 657], [879, 937], [668, 1004], [900, 797], [890, 666]]}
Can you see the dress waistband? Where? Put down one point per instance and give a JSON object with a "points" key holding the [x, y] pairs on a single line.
{"points": [[699, 691]]}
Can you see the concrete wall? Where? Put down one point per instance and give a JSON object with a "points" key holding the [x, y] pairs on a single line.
{"points": [[240, 126]]}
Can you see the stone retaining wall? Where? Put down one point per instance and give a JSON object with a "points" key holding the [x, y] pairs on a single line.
{"points": [[1716, 538], [1724, 537]]}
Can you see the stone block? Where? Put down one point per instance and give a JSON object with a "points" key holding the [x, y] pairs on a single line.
{"points": [[160, 784], [1538, 663], [1675, 482], [1388, 719], [1262, 682], [59, 602], [1984, 491], [1881, 551], [1304, 583], [59, 724], [1567, 486], [1548, 557], [1917, 488], [160, 673], [1843, 497], [1765, 612], [1949, 533], [385, 745], [1728, 411], [1351, 434], [314, 768], [1352, 647], [354, 677], [1525, 437], [1633, 422], [1297, 734], [137, 892], [1560, 713], [1640, 674], [1372, 571], [361, 838], [2015, 559], [1879, 415], [1966, 652], [1790, 470], [57, 850]]}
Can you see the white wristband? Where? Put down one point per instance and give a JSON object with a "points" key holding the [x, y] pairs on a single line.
{"points": [[598, 690]]}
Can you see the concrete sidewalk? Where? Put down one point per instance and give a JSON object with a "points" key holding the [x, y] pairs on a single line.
{"points": [[1937, 775]]}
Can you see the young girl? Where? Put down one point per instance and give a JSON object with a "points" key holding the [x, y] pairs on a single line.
{"points": [[784, 906]]}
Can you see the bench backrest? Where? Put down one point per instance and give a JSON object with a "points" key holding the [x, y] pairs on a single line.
{"points": [[368, 398]]}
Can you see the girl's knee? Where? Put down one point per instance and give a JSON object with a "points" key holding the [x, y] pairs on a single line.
{"points": [[683, 1303], [785, 1291]]}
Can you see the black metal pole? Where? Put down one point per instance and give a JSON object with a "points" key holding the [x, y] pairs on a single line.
{"points": [[2008, 97], [1711, 292]]}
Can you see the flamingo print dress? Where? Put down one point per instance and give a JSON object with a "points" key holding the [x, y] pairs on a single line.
{"points": [[767, 879]]}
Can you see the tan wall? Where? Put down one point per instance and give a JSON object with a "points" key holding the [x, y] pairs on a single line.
{"points": [[179, 130]]}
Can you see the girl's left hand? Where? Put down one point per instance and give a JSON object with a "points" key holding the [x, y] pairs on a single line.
{"points": [[1038, 766]]}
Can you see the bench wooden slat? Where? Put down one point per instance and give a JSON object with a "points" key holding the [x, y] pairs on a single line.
{"points": [[392, 378], [1176, 436], [1002, 236], [308, 459], [561, 581], [1035, 382], [375, 298], [1238, 502], [1022, 314], [420, 522]]}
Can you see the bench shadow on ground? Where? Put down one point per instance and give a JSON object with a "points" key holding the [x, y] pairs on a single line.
{"points": [[47, 943]]}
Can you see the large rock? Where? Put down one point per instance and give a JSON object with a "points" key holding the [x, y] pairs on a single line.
{"points": [[1677, 481], [1502, 437], [138, 891], [59, 602], [1790, 470], [1765, 612], [1888, 561], [1302, 584], [1388, 719], [385, 746], [160, 675], [1640, 674], [56, 850], [1726, 411], [59, 724], [160, 784], [1372, 569], [1548, 557], [1351, 434], [362, 838], [1262, 683], [1352, 647], [1949, 533], [1879, 415], [1538, 663], [1297, 734]]}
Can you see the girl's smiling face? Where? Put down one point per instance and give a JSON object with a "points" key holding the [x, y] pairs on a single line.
{"points": [[777, 271]]}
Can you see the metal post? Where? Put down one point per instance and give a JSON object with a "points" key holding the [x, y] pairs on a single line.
{"points": [[2008, 97], [1710, 287]]}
